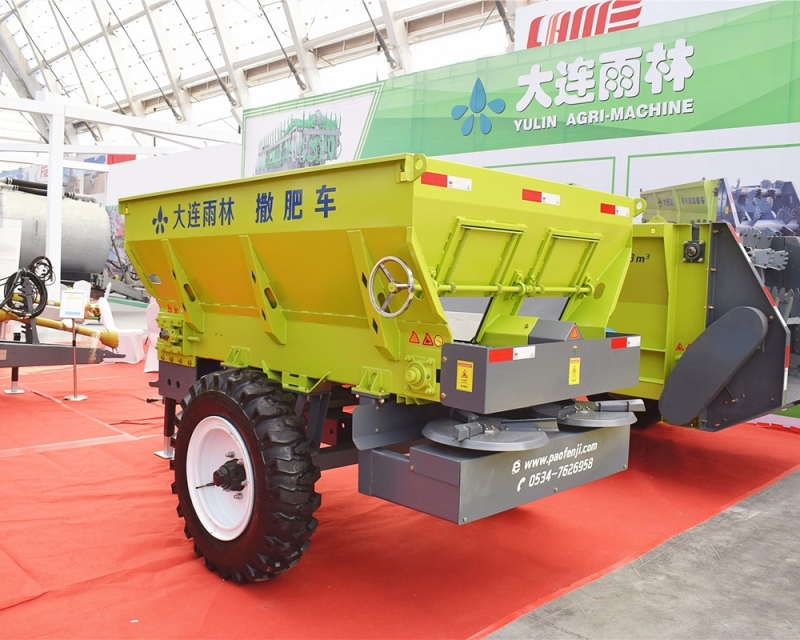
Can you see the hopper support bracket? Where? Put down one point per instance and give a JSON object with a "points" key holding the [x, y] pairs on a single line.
{"points": [[273, 321], [190, 304]]}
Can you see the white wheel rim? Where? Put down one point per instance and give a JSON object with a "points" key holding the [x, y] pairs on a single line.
{"points": [[224, 515]]}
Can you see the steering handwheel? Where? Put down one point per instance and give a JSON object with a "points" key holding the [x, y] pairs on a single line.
{"points": [[392, 285]]}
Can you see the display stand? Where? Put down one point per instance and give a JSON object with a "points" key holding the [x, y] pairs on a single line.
{"points": [[73, 305]]}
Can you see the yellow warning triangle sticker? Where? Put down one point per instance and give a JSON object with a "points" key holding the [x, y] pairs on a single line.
{"points": [[428, 341], [464, 374], [414, 339]]}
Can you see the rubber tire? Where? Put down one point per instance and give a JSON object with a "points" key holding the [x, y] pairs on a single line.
{"points": [[282, 520], [650, 416]]}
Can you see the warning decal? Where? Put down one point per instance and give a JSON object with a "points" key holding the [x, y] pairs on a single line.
{"points": [[464, 371], [574, 334], [574, 371], [427, 341], [679, 347], [414, 339]]}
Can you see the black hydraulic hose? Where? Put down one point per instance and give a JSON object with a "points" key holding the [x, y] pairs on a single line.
{"points": [[36, 192], [26, 183], [25, 186]]}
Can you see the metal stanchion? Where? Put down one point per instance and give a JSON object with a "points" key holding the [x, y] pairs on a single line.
{"points": [[75, 397], [15, 390], [73, 304], [14, 380]]}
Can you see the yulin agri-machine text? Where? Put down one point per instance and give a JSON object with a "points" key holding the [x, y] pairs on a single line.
{"points": [[429, 321]]}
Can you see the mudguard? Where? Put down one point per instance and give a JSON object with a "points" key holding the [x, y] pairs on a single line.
{"points": [[710, 363]]}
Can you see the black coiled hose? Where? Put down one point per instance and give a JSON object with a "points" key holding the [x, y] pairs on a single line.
{"points": [[39, 273]]}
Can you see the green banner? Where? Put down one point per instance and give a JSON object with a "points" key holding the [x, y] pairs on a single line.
{"points": [[734, 68]]}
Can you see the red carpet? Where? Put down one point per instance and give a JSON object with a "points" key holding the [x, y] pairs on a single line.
{"points": [[90, 545]]}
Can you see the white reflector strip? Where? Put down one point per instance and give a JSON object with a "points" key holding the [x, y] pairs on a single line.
{"points": [[541, 196], [523, 353], [464, 184], [623, 342], [614, 210], [551, 198]]}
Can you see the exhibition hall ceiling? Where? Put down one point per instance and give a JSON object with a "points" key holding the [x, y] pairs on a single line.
{"points": [[202, 62]]}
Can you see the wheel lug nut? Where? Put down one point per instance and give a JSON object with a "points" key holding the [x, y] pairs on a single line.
{"points": [[230, 454], [237, 496]]}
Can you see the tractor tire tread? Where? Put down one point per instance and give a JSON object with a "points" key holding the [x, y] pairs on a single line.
{"points": [[284, 528]]}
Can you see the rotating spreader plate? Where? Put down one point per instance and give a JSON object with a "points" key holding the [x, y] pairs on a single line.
{"points": [[487, 436]]}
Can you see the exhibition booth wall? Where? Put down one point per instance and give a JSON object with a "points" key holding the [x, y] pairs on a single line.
{"points": [[712, 95]]}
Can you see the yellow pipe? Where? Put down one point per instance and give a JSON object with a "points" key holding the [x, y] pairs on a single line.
{"points": [[92, 311], [107, 337]]}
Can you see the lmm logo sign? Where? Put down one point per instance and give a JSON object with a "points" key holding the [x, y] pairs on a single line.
{"points": [[591, 20]]}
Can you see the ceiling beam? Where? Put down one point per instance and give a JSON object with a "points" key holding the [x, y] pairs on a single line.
{"points": [[50, 80], [43, 147], [15, 68], [306, 60], [89, 113], [108, 26], [80, 64], [171, 67], [398, 38], [344, 45], [121, 64], [44, 160], [226, 45], [412, 24]]}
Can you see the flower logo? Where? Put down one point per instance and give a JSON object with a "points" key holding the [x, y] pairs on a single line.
{"points": [[160, 221], [477, 103]]}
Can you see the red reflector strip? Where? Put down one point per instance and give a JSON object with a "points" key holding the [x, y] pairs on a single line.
{"points": [[786, 360], [513, 353], [541, 196], [531, 196], [614, 210], [448, 182], [501, 355], [625, 342], [769, 296], [434, 179]]}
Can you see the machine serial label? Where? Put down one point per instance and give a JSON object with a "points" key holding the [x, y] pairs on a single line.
{"points": [[574, 371], [464, 371]]}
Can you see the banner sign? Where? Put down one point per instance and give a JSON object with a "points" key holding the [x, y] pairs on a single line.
{"points": [[556, 21], [720, 70]]}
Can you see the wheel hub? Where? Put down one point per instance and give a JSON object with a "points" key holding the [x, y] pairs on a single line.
{"points": [[230, 476], [225, 513]]}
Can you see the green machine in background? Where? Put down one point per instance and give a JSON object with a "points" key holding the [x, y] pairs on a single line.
{"points": [[705, 250], [715, 346], [386, 308]]}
